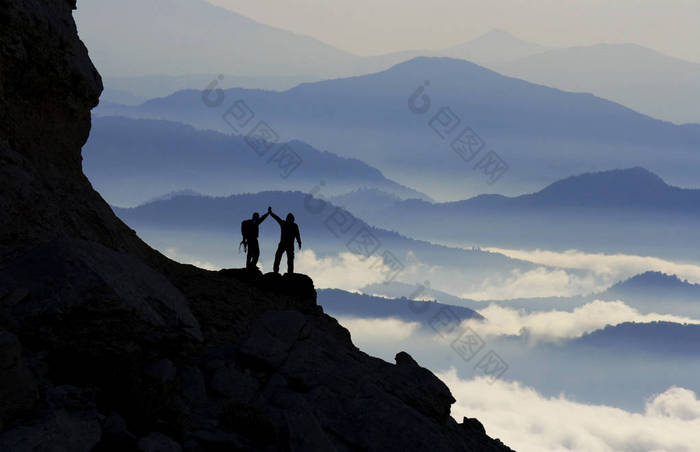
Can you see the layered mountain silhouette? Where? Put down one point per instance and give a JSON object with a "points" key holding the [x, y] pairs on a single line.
{"points": [[657, 292], [137, 89], [107, 345], [655, 337], [182, 37], [157, 157], [368, 117], [637, 77], [632, 188], [656, 285], [341, 303], [496, 46], [630, 210]]}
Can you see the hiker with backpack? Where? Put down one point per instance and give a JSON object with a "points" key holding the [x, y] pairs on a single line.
{"points": [[250, 231]]}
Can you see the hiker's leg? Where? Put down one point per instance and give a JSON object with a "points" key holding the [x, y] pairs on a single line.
{"points": [[290, 259], [254, 248], [278, 258]]}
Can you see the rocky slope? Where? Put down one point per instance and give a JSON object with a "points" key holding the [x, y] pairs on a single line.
{"points": [[107, 345]]}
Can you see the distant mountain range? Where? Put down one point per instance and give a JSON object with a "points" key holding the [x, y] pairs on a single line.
{"points": [[632, 211], [340, 303], [655, 286], [656, 337], [131, 161], [633, 189], [379, 119], [657, 292], [185, 44], [177, 39], [649, 292], [637, 77], [180, 37], [494, 47], [135, 90]]}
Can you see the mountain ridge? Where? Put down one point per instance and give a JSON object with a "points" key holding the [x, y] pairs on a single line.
{"points": [[368, 117], [159, 156], [641, 78]]}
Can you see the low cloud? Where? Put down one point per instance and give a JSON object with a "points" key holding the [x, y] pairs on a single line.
{"points": [[571, 273], [609, 267], [560, 325], [539, 282], [677, 403], [522, 417], [378, 331], [527, 421], [175, 254], [347, 271]]}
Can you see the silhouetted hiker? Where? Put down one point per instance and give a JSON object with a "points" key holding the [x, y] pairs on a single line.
{"points": [[250, 231], [290, 232]]}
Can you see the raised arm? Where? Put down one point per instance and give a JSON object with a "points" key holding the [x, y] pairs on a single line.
{"points": [[278, 219], [261, 219]]}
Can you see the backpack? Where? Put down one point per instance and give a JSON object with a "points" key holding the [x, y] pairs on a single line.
{"points": [[244, 229], [245, 233]]}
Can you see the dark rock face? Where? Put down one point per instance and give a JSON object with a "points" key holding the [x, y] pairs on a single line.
{"points": [[106, 345], [18, 390]]}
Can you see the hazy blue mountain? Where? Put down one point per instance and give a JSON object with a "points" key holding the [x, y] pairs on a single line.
{"points": [[621, 365], [657, 292], [372, 198], [342, 303], [494, 47], [131, 161], [654, 337], [150, 86], [649, 292], [655, 285], [632, 211], [209, 228], [180, 37], [634, 188], [187, 37], [121, 96], [397, 289], [529, 126], [635, 76]]}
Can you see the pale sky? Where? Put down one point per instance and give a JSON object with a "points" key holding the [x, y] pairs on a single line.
{"points": [[370, 27]]}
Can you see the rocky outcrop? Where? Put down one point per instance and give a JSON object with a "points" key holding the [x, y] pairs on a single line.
{"points": [[107, 345]]}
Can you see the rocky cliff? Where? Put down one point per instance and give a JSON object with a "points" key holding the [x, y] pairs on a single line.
{"points": [[107, 345]]}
